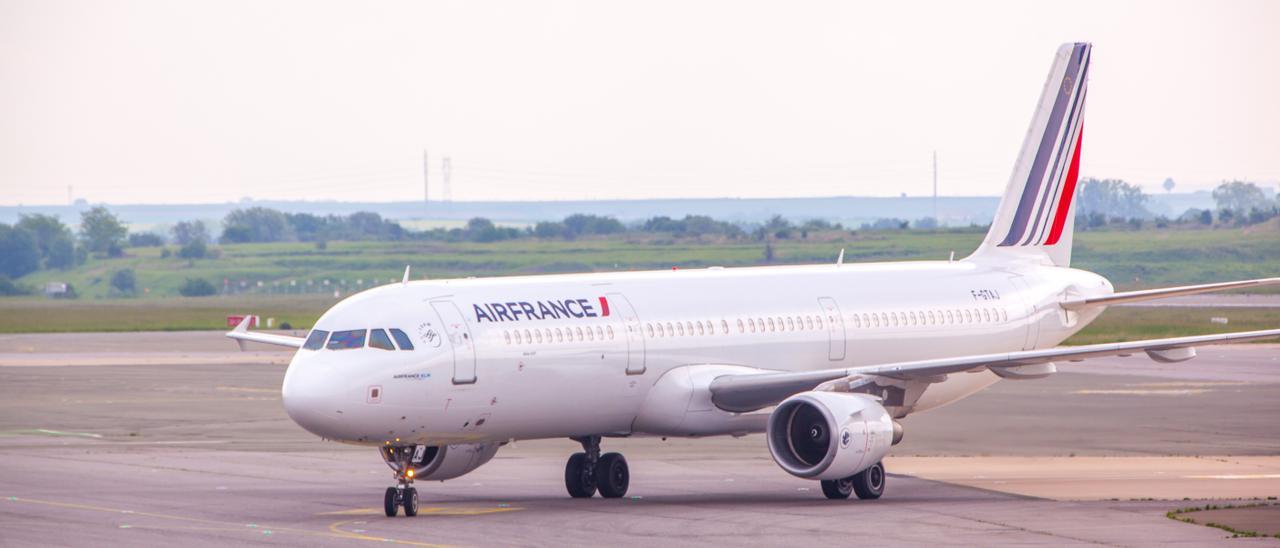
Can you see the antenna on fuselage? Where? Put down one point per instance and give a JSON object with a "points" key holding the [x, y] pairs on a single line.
{"points": [[840, 259], [405, 281]]}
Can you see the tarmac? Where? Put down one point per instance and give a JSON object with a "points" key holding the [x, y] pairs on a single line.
{"points": [[178, 439]]}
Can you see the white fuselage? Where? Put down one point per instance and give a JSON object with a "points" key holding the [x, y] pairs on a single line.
{"points": [[538, 357]]}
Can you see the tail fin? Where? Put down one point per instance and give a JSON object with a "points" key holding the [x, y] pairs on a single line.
{"points": [[1035, 219]]}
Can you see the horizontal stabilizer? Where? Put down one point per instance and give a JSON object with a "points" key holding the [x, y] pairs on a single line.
{"points": [[741, 393], [1164, 293], [242, 335]]}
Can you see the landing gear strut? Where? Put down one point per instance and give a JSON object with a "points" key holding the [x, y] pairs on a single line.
{"points": [[403, 494], [868, 484], [589, 471]]}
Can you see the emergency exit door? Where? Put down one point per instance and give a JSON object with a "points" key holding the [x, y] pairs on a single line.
{"points": [[461, 343], [835, 328], [631, 328]]}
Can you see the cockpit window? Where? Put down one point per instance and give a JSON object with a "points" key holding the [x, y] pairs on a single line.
{"points": [[343, 340], [401, 339], [379, 339], [315, 341]]}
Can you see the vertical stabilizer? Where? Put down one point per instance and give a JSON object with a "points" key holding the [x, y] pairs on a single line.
{"points": [[1036, 218]]}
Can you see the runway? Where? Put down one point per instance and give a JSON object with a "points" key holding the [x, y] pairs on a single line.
{"points": [[124, 449]]}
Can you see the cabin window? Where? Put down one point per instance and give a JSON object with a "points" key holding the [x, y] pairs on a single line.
{"points": [[968, 316], [1004, 315], [742, 328], [379, 339], [680, 328], [648, 328], [346, 340], [702, 330], [515, 334], [590, 336], [315, 341], [986, 315], [609, 330], [537, 334]]}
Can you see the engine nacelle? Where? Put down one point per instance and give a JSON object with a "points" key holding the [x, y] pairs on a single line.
{"points": [[829, 435], [440, 462]]}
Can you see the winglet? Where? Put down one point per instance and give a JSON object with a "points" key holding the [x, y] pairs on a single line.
{"points": [[405, 280], [840, 259], [242, 327]]}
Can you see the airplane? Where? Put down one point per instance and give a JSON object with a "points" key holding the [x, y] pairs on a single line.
{"points": [[824, 360]]}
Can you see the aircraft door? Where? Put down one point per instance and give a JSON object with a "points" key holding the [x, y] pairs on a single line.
{"points": [[835, 328], [461, 343], [1028, 308], [630, 323]]}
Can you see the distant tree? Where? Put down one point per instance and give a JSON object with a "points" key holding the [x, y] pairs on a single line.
{"points": [[1206, 217], [197, 287], [62, 255], [1168, 184], [196, 249], [145, 239], [48, 231], [19, 252], [256, 224], [8, 288], [124, 281], [925, 223], [586, 225], [102, 231], [550, 229], [186, 232], [1111, 198], [1239, 196], [768, 252]]}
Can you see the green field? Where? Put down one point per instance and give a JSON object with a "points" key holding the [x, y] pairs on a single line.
{"points": [[295, 282]]}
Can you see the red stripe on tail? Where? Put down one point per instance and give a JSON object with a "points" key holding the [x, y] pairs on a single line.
{"points": [[604, 306], [1068, 192]]}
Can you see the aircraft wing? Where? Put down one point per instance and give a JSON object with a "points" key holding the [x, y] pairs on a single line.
{"points": [[748, 392], [1152, 294], [241, 334]]}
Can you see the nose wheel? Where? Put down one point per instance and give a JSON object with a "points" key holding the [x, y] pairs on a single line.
{"points": [[403, 494], [589, 471]]}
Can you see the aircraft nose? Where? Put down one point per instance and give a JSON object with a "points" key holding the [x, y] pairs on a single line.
{"points": [[312, 398]]}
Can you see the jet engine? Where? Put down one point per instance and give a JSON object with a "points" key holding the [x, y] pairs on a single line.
{"points": [[439, 462], [829, 435]]}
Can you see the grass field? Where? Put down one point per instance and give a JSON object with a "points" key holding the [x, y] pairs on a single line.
{"points": [[295, 282]]}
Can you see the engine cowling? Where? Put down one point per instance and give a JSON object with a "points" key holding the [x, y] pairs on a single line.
{"points": [[829, 435], [441, 462]]}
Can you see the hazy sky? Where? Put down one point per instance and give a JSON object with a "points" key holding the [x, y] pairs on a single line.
{"points": [[179, 101]]}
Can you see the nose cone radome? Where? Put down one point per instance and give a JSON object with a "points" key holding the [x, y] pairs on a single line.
{"points": [[312, 398]]}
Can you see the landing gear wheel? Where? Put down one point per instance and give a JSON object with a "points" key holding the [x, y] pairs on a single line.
{"points": [[579, 477], [869, 483], [612, 475], [410, 500], [838, 489], [391, 502]]}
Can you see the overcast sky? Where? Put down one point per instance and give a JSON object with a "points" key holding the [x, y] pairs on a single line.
{"points": [[180, 101]]}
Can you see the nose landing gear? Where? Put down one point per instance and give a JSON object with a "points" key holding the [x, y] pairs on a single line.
{"points": [[589, 471], [403, 495]]}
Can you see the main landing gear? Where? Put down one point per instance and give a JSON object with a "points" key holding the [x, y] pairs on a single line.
{"points": [[868, 484], [403, 495], [589, 471]]}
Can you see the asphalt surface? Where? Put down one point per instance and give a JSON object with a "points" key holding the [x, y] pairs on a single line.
{"points": [[95, 451]]}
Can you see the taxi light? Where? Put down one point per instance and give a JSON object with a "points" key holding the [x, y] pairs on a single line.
{"points": [[409, 473]]}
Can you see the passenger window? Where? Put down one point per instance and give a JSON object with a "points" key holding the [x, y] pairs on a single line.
{"points": [[701, 330], [932, 320], [517, 336], [609, 329], [590, 337], [559, 335], [808, 322], [401, 339], [742, 328], [817, 322], [506, 336], [528, 337], [986, 315], [379, 339], [791, 324], [648, 328], [346, 340], [578, 330], [315, 341], [724, 327], [537, 334], [671, 330], [857, 322], [680, 328]]}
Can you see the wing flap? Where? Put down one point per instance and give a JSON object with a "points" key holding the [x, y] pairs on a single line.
{"points": [[740, 393], [1163, 293]]}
